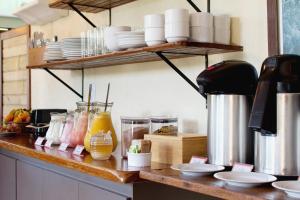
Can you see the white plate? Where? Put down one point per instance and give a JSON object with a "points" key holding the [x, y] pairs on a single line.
{"points": [[292, 188], [245, 179], [196, 169]]}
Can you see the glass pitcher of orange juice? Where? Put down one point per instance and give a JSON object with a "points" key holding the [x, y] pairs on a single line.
{"points": [[101, 122]]}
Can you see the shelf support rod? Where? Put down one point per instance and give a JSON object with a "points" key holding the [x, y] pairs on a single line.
{"points": [[82, 83], [64, 83], [82, 15], [206, 61], [208, 6], [109, 12], [180, 73], [194, 5]]}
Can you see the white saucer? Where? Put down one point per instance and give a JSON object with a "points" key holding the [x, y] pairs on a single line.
{"points": [[196, 169], [292, 188], [245, 179]]}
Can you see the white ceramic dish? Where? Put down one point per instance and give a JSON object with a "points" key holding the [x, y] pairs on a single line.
{"points": [[139, 159], [222, 36], [110, 40], [196, 169], [177, 30], [177, 15], [154, 20], [177, 39], [291, 188], [245, 179], [201, 19], [152, 43], [154, 34]]}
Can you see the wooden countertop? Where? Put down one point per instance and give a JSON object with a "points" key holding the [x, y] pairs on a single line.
{"points": [[208, 185], [115, 169]]}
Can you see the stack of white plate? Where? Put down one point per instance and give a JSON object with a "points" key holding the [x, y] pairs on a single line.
{"points": [[128, 39], [53, 51], [71, 48]]}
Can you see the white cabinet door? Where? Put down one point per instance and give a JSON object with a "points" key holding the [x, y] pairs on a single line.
{"points": [[7, 178], [29, 182], [90, 192], [56, 186]]}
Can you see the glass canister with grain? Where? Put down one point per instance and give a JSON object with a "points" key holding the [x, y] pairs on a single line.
{"points": [[133, 128]]}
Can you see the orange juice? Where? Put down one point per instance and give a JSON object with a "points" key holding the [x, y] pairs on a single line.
{"points": [[101, 122]]}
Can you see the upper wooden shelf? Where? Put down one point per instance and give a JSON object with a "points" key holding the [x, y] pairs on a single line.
{"points": [[139, 55], [92, 6]]}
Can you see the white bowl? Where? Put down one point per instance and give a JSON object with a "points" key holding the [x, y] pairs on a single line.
{"points": [[177, 30], [222, 36], [154, 20], [152, 43], [176, 15], [201, 34], [152, 34], [139, 159], [177, 39], [110, 39], [201, 19]]}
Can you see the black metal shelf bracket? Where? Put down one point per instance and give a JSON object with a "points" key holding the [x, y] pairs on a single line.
{"points": [[67, 85], [82, 15], [180, 73]]}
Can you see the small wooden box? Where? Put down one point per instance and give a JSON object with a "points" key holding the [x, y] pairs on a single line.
{"points": [[36, 55], [177, 149]]}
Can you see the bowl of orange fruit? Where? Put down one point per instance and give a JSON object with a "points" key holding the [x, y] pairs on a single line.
{"points": [[18, 119]]}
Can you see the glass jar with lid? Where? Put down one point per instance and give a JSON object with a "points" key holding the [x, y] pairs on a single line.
{"points": [[133, 128], [164, 125], [80, 124], [101, 146], [56, 127]]}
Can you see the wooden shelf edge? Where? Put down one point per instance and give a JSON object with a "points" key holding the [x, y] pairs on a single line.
{"points": [[158, 48]]}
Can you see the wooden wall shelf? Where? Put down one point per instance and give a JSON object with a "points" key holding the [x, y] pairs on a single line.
{"points": [[92, 6], [139, 55]]}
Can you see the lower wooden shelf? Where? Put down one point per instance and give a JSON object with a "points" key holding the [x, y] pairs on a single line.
{"points": [[139, 55]]}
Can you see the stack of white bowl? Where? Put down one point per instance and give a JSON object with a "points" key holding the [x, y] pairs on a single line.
{"points": [[110, 37], [201, 27], [154, 29], [222, 29], [177, 25]]}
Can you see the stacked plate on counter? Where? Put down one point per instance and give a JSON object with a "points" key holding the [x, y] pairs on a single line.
{"points": [[71, 48], [53, 52], [128, 39]]}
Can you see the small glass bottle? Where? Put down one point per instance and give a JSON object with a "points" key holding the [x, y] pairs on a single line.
{"points": [[101, 146]]}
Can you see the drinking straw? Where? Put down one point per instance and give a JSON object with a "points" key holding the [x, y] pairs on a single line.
{"points": [[107, 94]]}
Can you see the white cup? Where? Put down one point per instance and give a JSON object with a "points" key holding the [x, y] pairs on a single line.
{"points": [[139, 159], [222, 36], [110, 38], [155, 34], [222, 22], [176, 15], [154, 20], [179, 29], [203, 19], [201, 34]]}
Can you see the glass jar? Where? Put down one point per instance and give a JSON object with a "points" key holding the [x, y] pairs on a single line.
{"points": [[164, 125], [101, 122], [101, 146], [133, 128], [56, 127], [80, 124], [67, 132]]}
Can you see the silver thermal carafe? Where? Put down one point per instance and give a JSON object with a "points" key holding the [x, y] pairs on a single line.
{"points": [[275, 116], [229, 87]]}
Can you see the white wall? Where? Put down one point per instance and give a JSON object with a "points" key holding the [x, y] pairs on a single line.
{"points": [[152, 88]]}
